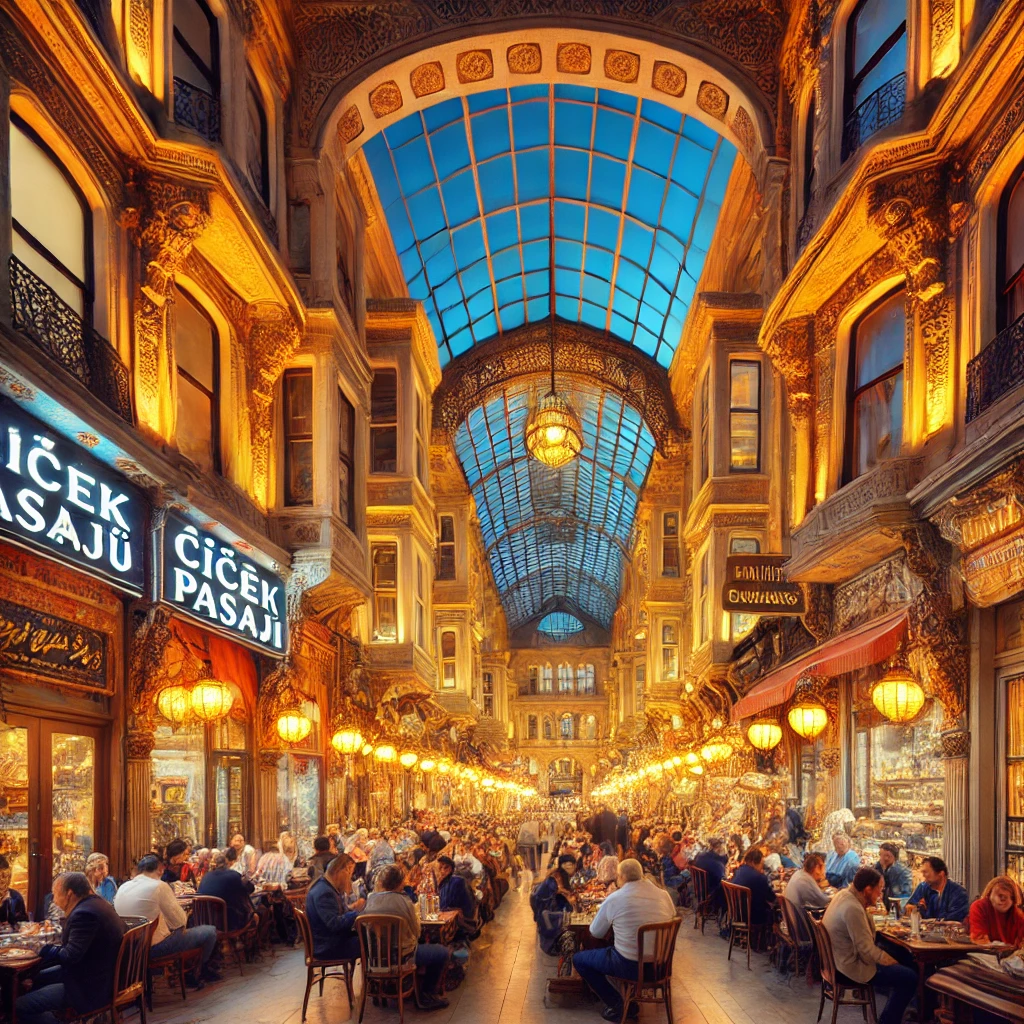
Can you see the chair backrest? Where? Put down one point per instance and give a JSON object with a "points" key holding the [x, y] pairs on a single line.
{"points": [[306, 932], [823, 947], [133, 921], [738, 899], [656, 945], [793, 917], [132, 963], [210, 910], [699, 877], [380, 942]]}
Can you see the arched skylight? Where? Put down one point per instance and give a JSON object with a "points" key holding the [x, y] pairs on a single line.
{"points": [[480, 190], [560, 626]]}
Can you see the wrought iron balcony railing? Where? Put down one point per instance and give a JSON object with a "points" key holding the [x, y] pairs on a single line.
{"points": [[996, 370], [880, 109], [43, 317], [195, 108]]}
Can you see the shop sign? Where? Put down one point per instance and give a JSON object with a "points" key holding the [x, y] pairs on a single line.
{"points": [[206, 578], [57, 499], [45, 645], [757, 585]]}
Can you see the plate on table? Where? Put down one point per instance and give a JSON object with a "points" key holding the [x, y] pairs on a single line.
{"points": [[15, 954]]}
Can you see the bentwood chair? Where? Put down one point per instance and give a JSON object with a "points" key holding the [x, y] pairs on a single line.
{"points": [[835, 986], [789, 934], [386, 974], [313, 964], [656, 946], [212, 910], [702, 904], [130, 973], [738, 903]]}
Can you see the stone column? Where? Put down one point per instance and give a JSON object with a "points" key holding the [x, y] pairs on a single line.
{"points": [[266, 799], [139, 838], [956, 747]]}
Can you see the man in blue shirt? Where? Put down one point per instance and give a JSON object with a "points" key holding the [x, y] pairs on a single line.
{"points": [[898, 880], [937, 896], [454, 894], [843, 863]]}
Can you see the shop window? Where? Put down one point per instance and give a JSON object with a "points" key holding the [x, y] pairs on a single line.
{"points": [[385, 593], [566, 727], [448, 648], [488, 688], [740, 623], [196, 68], [51, 221], [744, 416], [546, 679], [197, 356], [876, 70], [704, 598], [547, 728], [421, 603], [670, 544], [346, 461], [257, 164], [565, 678], [705, 426], [179, 783], [1014, 851], [534, 677], [384, 422], [670, 650], [531, 727], [1011, 252], [298, 798], [298, 437], [639, 683], [446, 548], [875, 420], [422, 433]]}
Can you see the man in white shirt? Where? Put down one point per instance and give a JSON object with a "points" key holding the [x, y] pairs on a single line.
{"points": [[147, 896], [634, 903]]}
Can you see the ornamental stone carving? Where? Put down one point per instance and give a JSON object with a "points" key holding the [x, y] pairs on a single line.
{"points": [[150, 638], [713, 100], [743, 128], [621, 65], [573, 58], [474, 66], [351, 125], [427, 79], [668, 78], [524, 59], [385, 99]]}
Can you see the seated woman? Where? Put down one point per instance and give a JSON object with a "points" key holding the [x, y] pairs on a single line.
{"points": [[608, 865], [997, 915], [554, 896], [97, 870]]}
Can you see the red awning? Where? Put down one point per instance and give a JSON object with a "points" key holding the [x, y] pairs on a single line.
{"points": [[866, 645]]}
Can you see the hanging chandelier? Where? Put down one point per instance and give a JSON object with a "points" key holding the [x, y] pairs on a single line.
{"points": [[173, 703], [408, 758], [765, 734], [293, 726], [347, 740], [807, 719], [716, 750], [898, 695], [554, 436], [210, 699]]}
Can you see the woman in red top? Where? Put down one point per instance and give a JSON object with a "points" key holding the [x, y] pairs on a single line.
{"points": [[997, 916]]}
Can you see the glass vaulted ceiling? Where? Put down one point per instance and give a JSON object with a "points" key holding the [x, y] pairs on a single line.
{"points": [[481, 192], [559, 626]]}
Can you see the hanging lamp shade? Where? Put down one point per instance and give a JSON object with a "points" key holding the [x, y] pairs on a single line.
{"points": [[293, 726], [716, 750], [386, 753], [807, 719], [427, 765], [367, 749], [765, 734], [408, 758], [553, 433], [898, 695], [444, 766], [174, 704], [210, 700], [347, 740]]}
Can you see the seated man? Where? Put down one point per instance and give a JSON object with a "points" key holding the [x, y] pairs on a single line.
{"points": [[636, 902], [228, 885], [804, 889], [390, 898], [147, 895], [853, 943], [897, 877], [713, 861], [454, 894], [331, 916], [79, 973], [12, 903], [937, 896], [843, 863], [322, 856], [750, 874]]}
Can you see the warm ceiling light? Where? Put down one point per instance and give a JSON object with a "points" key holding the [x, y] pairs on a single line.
{"points": [[553, 433], [807, 719], [367, 749], [293, 726], [676, 761], [487, 782], [427, 764], [386, 753], [211, 700], [444, 766], [408, 758], [716, 750], [765, 734], [898, 695], [697, 769], [173, 703], [347, 741], [691, 758], [667, 764]]}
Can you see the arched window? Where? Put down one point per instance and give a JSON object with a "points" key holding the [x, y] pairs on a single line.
{"points": [[585, 679], [52, 222], [565, 727], [1011, 245], [875, 415], [448, 677], [531, 727], [546, 679], [590, 727], [196, 63], [547, 728], [257, 148], [565, 678], [876, 70], [534, 678], [196, 353]]}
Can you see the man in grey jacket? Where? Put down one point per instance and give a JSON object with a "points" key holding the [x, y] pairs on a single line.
{"points": [[853, 944]]}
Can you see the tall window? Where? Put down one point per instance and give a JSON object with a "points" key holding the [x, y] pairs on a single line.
{"points": [[531, 727], [446, 548], [704, 598], [546, 679], [448, 659], [566, 730], [257, 162], [196, 68], [1011, 225], [565, 678], [298, 437], [344, 246], [346, 461], [422, 433], [639, 682], [590, 727], [809, 152], [585, 679], [547, 728], [196, 355], [385, 593], [384, 422], [421, 603], [876, 392], [534, 678], [670, 650], [488, 688], [740, 623], [705, 426], [670, 544], [51, 220], [744, 416]]}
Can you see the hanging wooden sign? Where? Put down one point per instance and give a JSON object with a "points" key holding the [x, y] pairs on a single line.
{"points": [[757, 585]]}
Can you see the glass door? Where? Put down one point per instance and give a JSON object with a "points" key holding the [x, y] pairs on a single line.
{"points": [[229, 798], [1014, 827], [19, 804], [73, 780]]}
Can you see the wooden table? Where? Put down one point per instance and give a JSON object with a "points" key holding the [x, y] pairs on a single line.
{"points": [[440, 929], [963, 988]]}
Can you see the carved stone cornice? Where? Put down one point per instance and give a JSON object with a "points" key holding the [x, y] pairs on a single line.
{"points": [[148, 643], [791, 350]]}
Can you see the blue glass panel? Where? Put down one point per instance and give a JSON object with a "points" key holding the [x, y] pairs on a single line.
{"points": [[507, 263], [535, 257], [480, 304], [450, 149], [509, 291], [502, 230], [460, 198], [599, 262], [613, 133], [440, 267], [593, 315], [402, 131], [486, 100], [490, 134], [512, 316], [496, 185], [608, 178], [654, 148], [532, 175], [560, 625], [534, 221], [414, 167], [574, 92], [569, 220], [574, 124], [460, 341], [645, 195], [566, 308], [630, 278], [476, 278], [596, 290], [442, 113], [538, 309], [568, 254], [572, 171], [425, 213], [468, 243], [617, 100]]}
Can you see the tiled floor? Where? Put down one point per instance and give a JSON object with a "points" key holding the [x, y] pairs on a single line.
{"points": [[505, 984]]}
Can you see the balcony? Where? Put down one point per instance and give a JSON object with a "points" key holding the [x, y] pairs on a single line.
{"points": [[574, 693], [996, 370], [882, 108], [196, 109], [53, 326]]}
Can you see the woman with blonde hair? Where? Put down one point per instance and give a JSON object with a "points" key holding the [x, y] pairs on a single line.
{"points": [[275, 866], [997, 916], [97, 870]]}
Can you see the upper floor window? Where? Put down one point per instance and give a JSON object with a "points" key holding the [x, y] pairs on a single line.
{"points": [[808, 153], [547, 728], [196, 63], [639, 682], [298, 436], [531, 727], [448, 659], [534, 678], [196, 354], [876, 70], [422, 433], [421, 602], [384, 422], [488, 693], [590, 727], [670, 650], [546, 679], [346, 461], [257, 141], [446, 548], [1011, 224], [567, 727], [876, 386], [705, 426], [344, 247], [744, 416], [704, 598], [565, 678], [670, 544], [585, 679], [385, 592], [52, 223], [741, 623]]}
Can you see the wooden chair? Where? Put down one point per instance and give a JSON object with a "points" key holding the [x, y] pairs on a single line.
{"points": [[836, 986], [790, 935], [212, 910], [313, 964], [656, 944], [738, 903], [173, 968], [130, 974], [386, 975], [702, 903]]}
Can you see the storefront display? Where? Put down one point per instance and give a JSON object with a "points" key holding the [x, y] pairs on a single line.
{"points": [[300, 785], [1014, 851]]}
